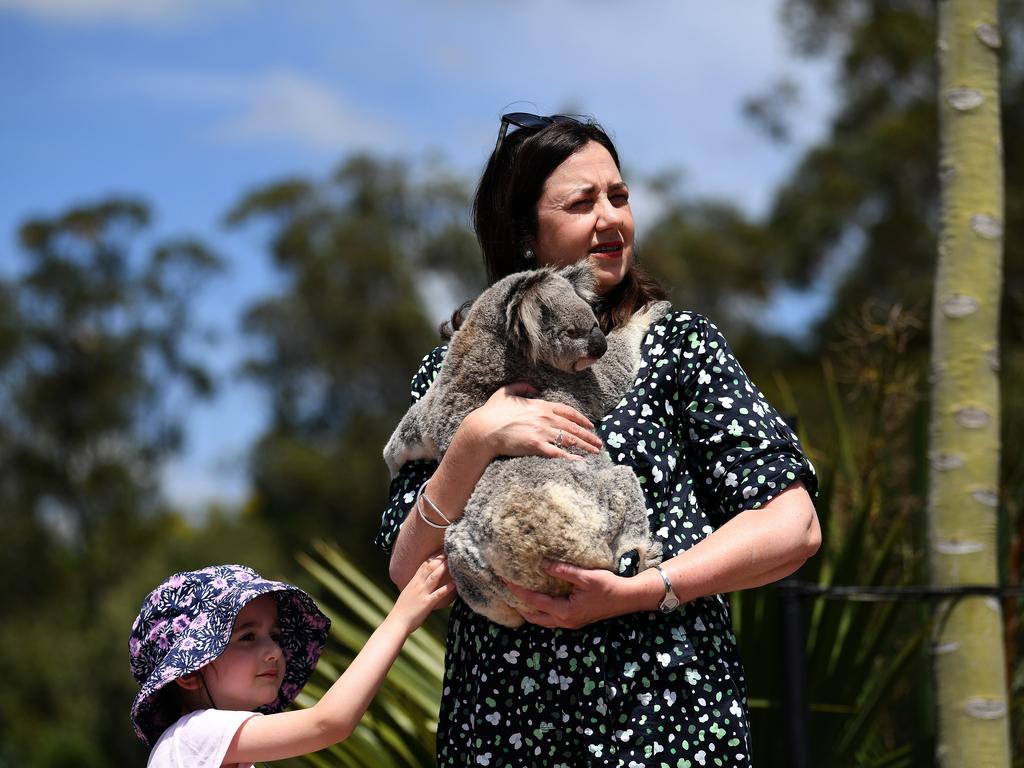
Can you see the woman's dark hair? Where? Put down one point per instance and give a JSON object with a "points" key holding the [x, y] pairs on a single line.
{"points": [[505, 212]]}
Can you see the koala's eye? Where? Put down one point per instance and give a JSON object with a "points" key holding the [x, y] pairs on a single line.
{"points": [[572, 333]]}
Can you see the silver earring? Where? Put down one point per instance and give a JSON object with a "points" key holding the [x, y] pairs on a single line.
{"points": [[528, 254]]}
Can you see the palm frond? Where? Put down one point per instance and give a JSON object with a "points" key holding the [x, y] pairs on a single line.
{"points": [[399, 729]]}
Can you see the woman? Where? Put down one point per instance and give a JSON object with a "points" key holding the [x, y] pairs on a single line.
{"points": [[611, 674]]}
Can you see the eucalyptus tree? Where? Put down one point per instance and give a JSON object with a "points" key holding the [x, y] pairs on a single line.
{"points": [[370, 259], [97, 362], [973, 712], [98, 345], [861, 203]]}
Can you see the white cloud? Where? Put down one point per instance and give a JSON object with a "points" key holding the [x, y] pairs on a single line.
{"points": [[279, 106], [155, 12], [187, 87], [667, 79], [286, 106]]}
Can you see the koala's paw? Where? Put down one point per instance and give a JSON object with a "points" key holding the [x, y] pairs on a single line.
{"points": [[407, 444], [651, 314], [650, 557]]}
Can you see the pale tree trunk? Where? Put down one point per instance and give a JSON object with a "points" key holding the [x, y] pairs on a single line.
{"points": [[973, 719]]}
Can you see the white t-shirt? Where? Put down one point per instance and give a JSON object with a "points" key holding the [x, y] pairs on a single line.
{"points": [[200, 739]]}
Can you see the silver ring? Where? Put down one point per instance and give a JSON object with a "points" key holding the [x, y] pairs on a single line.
{"points": [[558, 439]]}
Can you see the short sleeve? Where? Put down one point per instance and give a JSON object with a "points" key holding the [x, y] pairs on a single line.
{"points": [[413, 473], [743, 453], [199, 739]]}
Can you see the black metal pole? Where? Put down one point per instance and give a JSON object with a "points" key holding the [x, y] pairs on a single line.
{"points": [[795, 705]]}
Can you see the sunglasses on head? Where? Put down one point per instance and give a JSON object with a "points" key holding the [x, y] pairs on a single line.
{"points": [[529, 121]]}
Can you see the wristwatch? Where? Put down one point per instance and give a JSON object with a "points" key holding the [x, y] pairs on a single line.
{"points": [[669, 602]]}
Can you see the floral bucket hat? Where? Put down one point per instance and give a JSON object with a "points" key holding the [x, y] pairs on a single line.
{"points": [[187, 621]]}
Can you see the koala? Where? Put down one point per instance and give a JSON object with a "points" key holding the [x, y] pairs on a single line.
{"points": [[535, 326], [539, 327], [529, 509]]}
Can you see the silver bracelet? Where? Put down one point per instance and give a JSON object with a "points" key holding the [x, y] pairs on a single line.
{"points": [[422, 495], [670, 601], [431, 504]]}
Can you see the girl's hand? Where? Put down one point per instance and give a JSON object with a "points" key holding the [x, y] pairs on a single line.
{"points": [[597, 594], [430, 588], [510, 424]]}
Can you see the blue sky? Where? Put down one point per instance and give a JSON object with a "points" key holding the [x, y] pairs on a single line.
{"points": [[189, 103]]}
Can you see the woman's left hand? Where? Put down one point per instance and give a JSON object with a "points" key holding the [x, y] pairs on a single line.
{"points": [[596, 594]]}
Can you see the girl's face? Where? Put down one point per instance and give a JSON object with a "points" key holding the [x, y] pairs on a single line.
{"points": [[249, 672], [583, 211]]}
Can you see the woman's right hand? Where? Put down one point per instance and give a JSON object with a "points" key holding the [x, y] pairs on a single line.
{"points": [[511, 424], [508, 424]]}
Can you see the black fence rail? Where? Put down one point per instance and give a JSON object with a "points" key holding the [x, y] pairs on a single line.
{"points": [[793, 593]]}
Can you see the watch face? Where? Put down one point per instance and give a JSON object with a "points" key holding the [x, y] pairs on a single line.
{"points": [[669, 604]]}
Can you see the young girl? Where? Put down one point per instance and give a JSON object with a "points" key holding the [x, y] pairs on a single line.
{"points": [[219, 652]]}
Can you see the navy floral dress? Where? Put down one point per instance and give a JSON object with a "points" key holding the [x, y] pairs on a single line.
{"points": [[645, 689]]}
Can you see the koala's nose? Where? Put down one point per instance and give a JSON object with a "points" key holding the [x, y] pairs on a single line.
{"points": [[597, 345]]}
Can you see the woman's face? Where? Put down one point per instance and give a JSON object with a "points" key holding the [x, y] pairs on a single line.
{"points": [[583, 211]]}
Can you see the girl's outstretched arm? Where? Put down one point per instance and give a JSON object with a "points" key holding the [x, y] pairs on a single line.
{"points": [[335, 716]]}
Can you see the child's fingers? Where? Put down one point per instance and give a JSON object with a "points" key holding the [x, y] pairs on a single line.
{"points": [[437, 576], [436, 568], [430, 565], [445, 595], [429, 575]]}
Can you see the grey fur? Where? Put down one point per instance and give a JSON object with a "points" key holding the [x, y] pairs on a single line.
{"points": [[530, 509], [516, 331], [538, 327]]}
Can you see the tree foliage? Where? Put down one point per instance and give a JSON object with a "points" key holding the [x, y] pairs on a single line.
{"points": [[873, 185], [868, 196], [93, 346], [96, 366], [361, 254]]}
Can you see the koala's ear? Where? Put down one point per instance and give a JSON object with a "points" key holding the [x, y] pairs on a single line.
{"points": [[581, 275], [523, 311]]}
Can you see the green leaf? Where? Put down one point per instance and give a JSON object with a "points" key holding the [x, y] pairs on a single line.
{"points": [[400, 727]]}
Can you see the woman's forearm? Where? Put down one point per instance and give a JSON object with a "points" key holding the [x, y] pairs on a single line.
{"points": [[757, 547], [449, 488]]}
